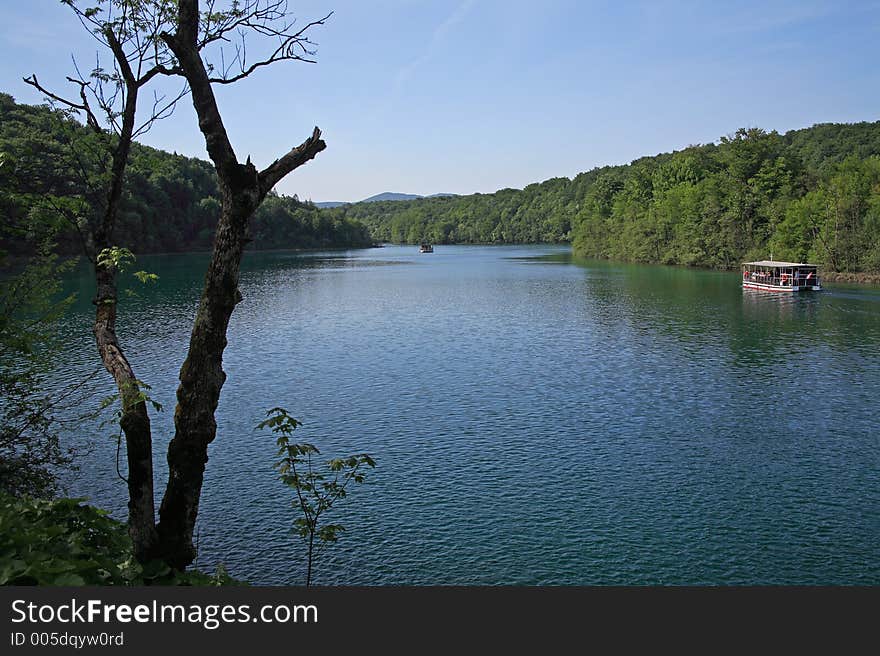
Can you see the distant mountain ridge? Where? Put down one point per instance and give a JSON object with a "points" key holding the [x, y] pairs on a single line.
{"points": [[390, 195], [385, 195]]}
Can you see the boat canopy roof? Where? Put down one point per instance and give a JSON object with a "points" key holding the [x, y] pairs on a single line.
{"points": [[782, 265]]}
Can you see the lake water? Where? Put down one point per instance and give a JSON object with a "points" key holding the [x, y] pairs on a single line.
{"points": [[535, 419]]}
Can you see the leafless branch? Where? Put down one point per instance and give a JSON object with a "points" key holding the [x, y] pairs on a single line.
{"points": [[131, 31], [120, 57], [84, 106], [161, 109], [254, 14], [267, 20], [295, 158], [159, 70], [106, 102]]}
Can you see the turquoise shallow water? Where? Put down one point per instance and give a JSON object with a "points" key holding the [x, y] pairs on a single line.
{"points": [[536, 419]]}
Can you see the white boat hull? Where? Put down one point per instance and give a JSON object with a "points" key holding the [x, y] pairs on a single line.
{"points": [[780, 288]]}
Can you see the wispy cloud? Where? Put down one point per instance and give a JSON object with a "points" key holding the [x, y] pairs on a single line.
{"points": [[437, 37], [778, 17]]}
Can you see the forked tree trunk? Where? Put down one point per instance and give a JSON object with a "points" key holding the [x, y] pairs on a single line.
{"points": [[242, 190], [201, 379]]}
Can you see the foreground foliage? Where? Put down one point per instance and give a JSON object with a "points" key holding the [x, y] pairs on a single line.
{"points": [[31, 454], [66, 542], [31, 306], [316, 488]]}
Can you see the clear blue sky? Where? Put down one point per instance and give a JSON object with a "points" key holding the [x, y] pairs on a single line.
{"points": [[476, 95]]}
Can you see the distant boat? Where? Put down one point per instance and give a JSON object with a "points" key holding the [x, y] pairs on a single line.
{"points": [[426, 248], [774, 276]]}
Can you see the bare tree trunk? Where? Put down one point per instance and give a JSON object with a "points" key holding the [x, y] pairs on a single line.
{"points": [[201, 379], [242, 190], [135, 422]]}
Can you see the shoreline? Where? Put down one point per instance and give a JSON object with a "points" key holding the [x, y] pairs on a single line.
{"points": [[852, 278], [868, 279]]}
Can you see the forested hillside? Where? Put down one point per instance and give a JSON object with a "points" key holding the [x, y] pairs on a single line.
{"points": [[50, 167], [811, 194]]}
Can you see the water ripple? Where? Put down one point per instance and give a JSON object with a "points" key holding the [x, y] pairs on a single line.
{"points": [[535, 420]]}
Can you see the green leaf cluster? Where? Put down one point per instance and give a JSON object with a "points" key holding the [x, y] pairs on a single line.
{"points": [[67, 542], [317, 486], [62, 542], [116, 257]]}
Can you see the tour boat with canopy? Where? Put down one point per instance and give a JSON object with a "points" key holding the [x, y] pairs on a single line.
{"points": [[774, 276]]}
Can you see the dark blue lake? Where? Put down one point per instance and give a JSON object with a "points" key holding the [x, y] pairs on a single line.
{"points": [[535, 419]]}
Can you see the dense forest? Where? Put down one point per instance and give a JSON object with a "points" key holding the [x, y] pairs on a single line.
{"points": [[811, 194], [171, 204]]}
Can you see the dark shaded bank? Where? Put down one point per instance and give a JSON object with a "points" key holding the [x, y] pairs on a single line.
{"points": [[855, 278]]}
